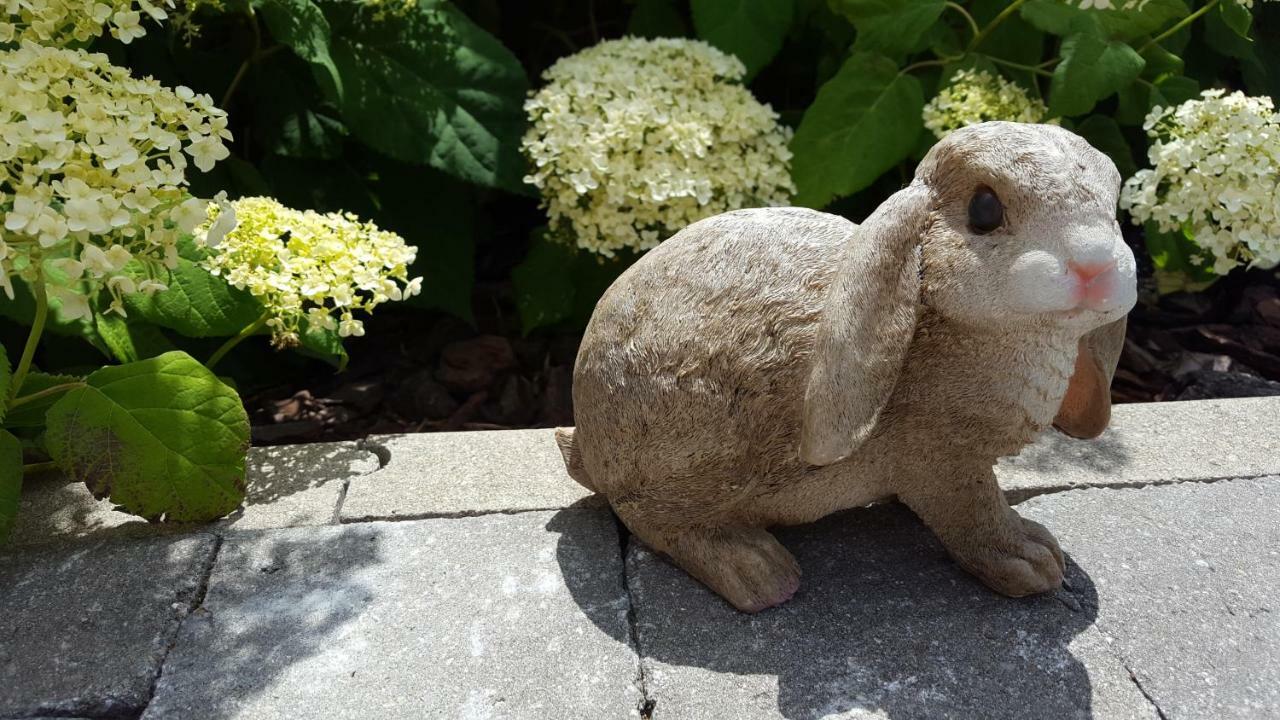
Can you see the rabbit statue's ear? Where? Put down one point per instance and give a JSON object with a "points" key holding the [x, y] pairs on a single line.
{"points": [[867, 324], [1086, 408]]}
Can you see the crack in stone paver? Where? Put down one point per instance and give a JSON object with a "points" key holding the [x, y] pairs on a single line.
{"points": [[1134, 677]]}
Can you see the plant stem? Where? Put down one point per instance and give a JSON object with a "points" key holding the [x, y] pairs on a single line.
{"points": [[995, 23], [1019, 66], [1181, 24], [39, 467], [973, 24], [232, 342], [33, 338], [929, 63], [17, 402], [248, 62]]}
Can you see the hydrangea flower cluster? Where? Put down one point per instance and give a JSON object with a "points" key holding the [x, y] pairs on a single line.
{"points": [[633, 139], [92, 165], [975, 96], [1215, 176], [306, 266], [62, 22]]}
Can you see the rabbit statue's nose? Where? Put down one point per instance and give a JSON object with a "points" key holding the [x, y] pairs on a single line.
{"points": [[1093, 283]]}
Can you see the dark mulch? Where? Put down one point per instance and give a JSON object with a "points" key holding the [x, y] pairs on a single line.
{"points": [[416, 373]]}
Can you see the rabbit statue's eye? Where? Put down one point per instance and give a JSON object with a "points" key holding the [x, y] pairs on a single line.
{"points": [[986, 213]]}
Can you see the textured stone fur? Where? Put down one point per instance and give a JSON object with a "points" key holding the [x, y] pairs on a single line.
{"points": [[771, 366]]}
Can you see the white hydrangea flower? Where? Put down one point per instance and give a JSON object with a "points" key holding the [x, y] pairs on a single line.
{"points": [[633, 139], [63, 22], [975, 96], [92, 170], [1215, 176], [305, 265]]}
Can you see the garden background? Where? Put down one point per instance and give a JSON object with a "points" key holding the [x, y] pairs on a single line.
{"points": [[412, 114]]}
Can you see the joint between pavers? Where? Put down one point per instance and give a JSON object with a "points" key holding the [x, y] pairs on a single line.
{"points": [[197, 599], [641, 680], [450, 515], [1020, 495]]}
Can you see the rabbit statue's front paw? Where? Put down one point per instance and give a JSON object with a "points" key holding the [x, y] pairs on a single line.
{"points": [[1022, 559]]}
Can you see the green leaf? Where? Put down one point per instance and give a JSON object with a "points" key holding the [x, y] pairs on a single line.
{"points": [[31, 414], [303, 27], [891, 27], [292, 115], [543, 282], [6, 377], [323, 344], [1139, 98], [131, 341], [655, 19], [1091, 69], [1180, 263], [864, 121], [1222, 35], [752, 30], [22, 310], [1237, 17], [1160, 62], [163, 438], [197, 304], [1104, 134], [10, 482], [430, 87], [1063, 18]]}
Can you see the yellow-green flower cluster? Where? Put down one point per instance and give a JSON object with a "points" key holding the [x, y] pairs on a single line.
{"points": [[1215, 175], [383, 9], [633, 139], [92, 172], [306, 267], [975, 96], [62, 22]]}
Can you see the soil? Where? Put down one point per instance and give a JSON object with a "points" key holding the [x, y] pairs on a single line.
{"points": [[416, 373]]}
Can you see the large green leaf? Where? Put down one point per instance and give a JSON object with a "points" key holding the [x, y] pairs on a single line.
{"points": [[1139, 98], [1064, 18], [6, 376], [31, 414], [303, 27], [753, 30], [1092, 68], [130, 341], [431, 87], [1103, 133], [10, 482], [163, 438], [891, 27], [655, 19], [197, 303], [1228, 33], [1237, 17], [291, 114], [543, 282], [864, 121]]}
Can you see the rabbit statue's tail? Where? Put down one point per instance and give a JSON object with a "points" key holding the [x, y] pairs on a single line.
{"points": [[573, 458]]}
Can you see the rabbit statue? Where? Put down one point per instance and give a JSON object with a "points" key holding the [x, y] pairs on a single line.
{"points": [[771, 366]]}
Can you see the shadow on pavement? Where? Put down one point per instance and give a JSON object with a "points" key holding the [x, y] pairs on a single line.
{"points": [[884, 624]]}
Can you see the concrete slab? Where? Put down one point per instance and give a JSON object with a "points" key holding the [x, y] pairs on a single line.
{"points": [[287, 486], [84, 630], [501, 616], [465, 473], [1153, 443], [1187, 578], [884, 626]]}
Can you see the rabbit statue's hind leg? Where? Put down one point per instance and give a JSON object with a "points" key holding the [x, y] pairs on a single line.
{"points": [[746, 566]]}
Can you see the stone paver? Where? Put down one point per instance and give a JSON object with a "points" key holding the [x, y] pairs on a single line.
{"points": [[1154, 443], [286, 486], [1172, 593], [1188, 578], [443, 474], [83, 630], [501, 616], [884, 626]]}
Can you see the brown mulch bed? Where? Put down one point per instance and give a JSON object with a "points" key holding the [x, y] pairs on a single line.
{"points": [[405, 377]]}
